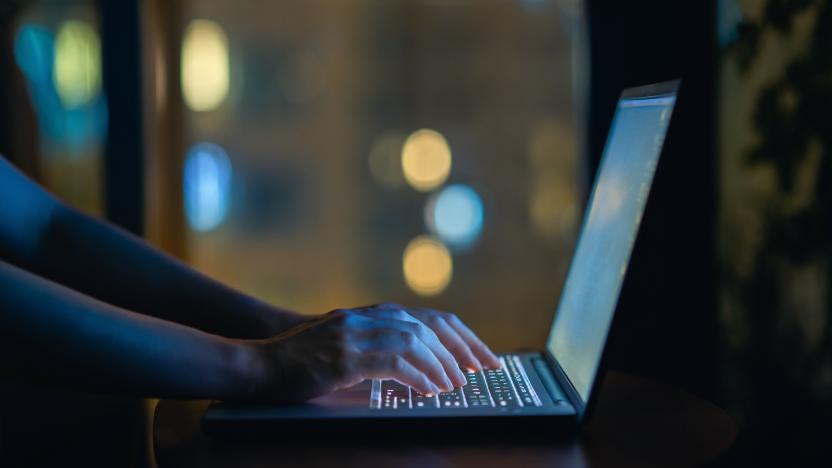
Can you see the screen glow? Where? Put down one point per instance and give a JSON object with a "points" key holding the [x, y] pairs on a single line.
{"points": [[591, 291]]}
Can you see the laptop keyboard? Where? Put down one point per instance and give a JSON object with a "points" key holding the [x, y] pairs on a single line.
{"points": [[507, 387]]}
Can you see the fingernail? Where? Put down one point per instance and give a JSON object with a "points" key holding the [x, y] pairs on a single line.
{"points": [[448, 385]]}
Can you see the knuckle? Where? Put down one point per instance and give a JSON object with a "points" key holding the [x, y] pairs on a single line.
{"points": [[351, 318], [434, 319], [418, 330], [407, 338], [397, 364], [401, 314]]}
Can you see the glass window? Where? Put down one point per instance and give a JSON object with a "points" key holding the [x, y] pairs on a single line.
{"points": [[426, 152], [58, 50]]}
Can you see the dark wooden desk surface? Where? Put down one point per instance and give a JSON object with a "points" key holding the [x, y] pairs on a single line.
{"points": [[638, 422]]}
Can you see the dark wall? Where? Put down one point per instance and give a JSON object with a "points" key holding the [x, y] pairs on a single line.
{"points": [[666, 324]]}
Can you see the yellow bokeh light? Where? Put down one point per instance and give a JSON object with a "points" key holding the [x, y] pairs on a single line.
{"points": [[553, 210], [205, 70], [427, 266], [77, 66], [426, 160]]}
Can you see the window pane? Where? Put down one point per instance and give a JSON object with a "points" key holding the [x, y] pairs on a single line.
{"points": [[58, 50], [426, 152]]}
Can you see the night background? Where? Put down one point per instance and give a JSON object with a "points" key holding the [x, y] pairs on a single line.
{"points": [[326, 153]]}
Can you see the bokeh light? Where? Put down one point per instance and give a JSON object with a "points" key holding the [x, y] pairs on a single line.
{"points": [[77, 67], [426, 160], [553, 194], [455, 214], [427, 266], [205, 69], [385, 160], [74, 123], [554, 211], [207, 185], [33, 52]]}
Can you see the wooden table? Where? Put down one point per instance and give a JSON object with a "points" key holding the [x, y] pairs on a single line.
{"points": [[639, 422]]}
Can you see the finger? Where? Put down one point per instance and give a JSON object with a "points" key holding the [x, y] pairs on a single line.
{"points": [[480, 350], [451, 340], [407, 322], [393, 366], [407, 344]]}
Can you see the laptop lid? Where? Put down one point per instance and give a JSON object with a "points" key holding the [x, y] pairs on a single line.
{"points": [[590, 295]]}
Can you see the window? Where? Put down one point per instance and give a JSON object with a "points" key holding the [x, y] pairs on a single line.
{"points": [[343, 153]]}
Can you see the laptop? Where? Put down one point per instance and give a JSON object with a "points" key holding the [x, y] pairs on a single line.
{"points": [[555, 388]]}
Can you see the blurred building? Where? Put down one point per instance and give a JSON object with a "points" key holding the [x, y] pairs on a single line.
{"points": [[324, 154]]}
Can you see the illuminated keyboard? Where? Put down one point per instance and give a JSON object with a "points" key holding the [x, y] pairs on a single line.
{"points": [[507, 387]]}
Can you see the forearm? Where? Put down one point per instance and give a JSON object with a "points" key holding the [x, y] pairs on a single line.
{"points": [[51, 333], [116, 267]]}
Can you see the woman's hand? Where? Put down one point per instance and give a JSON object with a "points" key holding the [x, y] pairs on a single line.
{"points": [[344, 347]]}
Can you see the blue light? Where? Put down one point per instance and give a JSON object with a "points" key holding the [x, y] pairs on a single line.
{"points": [[207, 185], [33, 52], [455, 215], [76, 132]]}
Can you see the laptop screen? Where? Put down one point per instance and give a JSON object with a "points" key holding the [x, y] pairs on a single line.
{"points": [[611, 222]]}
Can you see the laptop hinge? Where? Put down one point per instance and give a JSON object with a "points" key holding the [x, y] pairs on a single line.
{"points": [[565, 384]]}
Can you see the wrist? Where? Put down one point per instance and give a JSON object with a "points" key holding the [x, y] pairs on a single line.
{"points": [[246, 369], [270, 320]]}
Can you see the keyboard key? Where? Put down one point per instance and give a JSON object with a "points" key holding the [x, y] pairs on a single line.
{"points": [[453, 399], [394, 395], [520, 381], [502, 392], [476, 391], [423, 401], [507, 387]]}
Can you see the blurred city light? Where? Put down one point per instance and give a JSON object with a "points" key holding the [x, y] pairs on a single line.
{"points": [[205, 69], [426, 159], [73, 123], [553, 210], [33, 52], [77, 67], [455, 214], [385, 160], [207, 185], [427, 266]]}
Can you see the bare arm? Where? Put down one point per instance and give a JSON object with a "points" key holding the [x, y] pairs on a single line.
{"points": [[42, 235], [53, 334]]}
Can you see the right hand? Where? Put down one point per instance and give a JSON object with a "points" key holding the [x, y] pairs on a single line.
{"points": [[344, 347]]}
